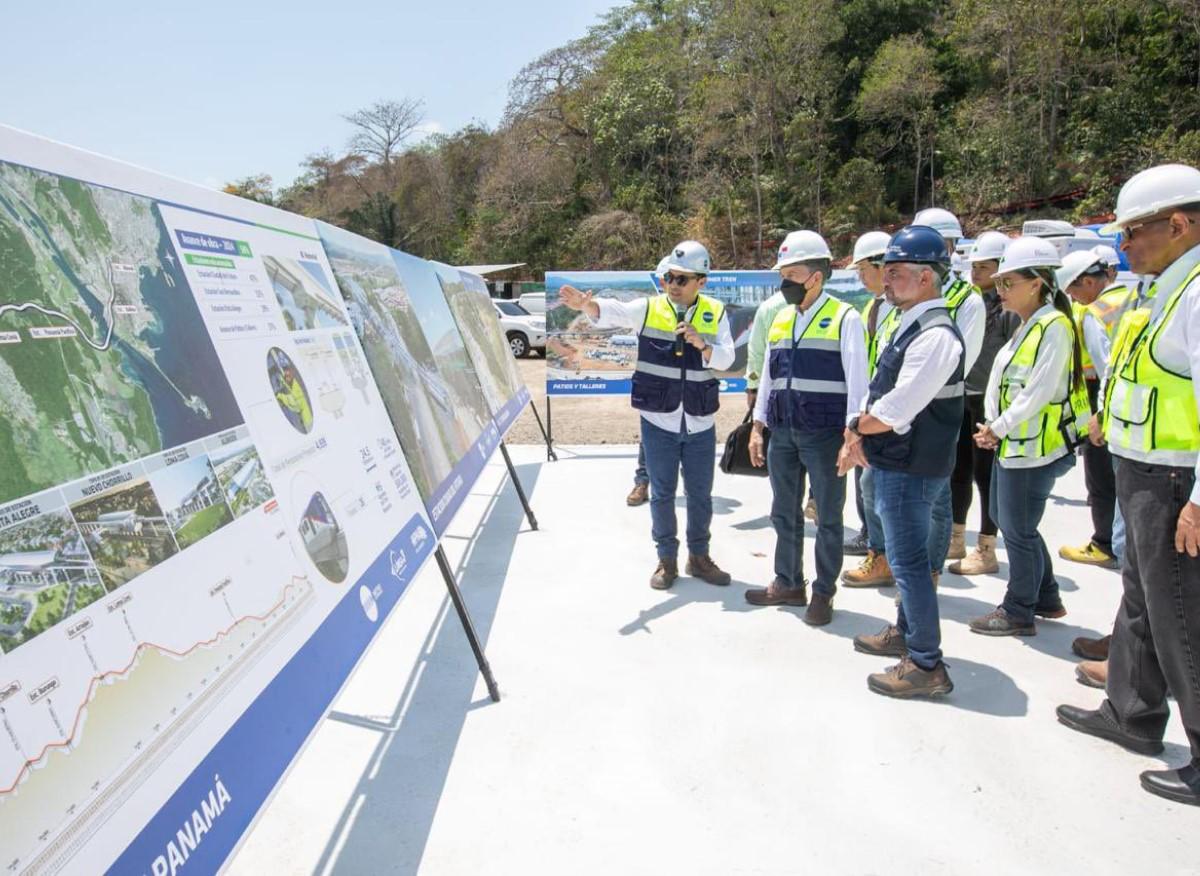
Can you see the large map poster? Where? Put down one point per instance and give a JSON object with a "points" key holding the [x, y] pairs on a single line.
{"points": [[479, 324], [421, 364], [204, 510], [582, 359]]}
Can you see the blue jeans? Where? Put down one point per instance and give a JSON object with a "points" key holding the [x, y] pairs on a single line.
{"points": [[939, 529], [639, 473], [1018, 502], [866, 484], [940, 523], [905, 502], [666, 453], [791, 456]]}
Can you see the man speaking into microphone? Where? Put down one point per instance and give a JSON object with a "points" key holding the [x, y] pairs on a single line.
{"points": [[683, 340]]}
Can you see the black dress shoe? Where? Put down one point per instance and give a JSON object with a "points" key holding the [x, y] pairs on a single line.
{"points": [[1181, 785], [857, 546], [1097, 723]]}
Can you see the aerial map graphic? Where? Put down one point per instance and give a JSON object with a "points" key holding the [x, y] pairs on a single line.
{"points": [[104, 358]]}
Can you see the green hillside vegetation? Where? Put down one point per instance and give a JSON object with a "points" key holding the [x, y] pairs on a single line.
{"points": [[734, 121]]}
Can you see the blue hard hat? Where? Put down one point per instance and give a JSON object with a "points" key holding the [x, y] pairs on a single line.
{"points": [[919, 244]]}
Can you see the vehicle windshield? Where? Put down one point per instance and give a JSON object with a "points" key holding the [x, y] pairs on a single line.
{"points": [[511, 308]]}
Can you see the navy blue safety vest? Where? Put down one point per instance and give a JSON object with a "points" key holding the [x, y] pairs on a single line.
{"points": [[808, 382], [661, 379], [928, 447]]}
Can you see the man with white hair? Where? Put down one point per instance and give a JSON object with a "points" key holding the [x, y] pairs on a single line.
{"points": [[965, 303]]}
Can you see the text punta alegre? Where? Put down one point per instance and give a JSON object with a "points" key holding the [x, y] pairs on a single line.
{"points": [[188, 837]]}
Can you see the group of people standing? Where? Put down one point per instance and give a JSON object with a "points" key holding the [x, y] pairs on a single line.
{"points": [[943, 384]]}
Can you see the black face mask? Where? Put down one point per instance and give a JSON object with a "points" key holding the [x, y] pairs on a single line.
{"points": [[793, 292]]}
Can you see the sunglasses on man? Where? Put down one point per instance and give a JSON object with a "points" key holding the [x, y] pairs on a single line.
{"points": [[681, 280]]}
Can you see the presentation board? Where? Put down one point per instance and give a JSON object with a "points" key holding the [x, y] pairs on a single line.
{"points": [[582, 359], [479, 324], [205, 513], [421, 363]]}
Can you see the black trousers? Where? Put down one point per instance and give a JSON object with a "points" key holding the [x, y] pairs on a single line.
{"points": [[858, 501], [1156, 639], [1101, 484], [973, 465]]}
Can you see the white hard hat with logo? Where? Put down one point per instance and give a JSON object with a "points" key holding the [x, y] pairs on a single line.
{"points": [[871, 245], [942, 221], [989, 247], [1109, 256], [1075, 265], [1049, 229], [690, 256], [801, 246], [1029, 252], [1155, 190]]}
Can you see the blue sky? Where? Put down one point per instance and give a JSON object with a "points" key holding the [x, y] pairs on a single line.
{"points": [[218, 90]]}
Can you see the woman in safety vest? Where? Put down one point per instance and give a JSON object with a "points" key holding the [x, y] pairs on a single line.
{"points": [[1037, 410]]}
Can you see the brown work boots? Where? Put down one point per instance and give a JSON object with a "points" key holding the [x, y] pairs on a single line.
{"points": [[981, 561], [888, 642], [873, 571], [907, 680], [639, 495], [701, 567]]}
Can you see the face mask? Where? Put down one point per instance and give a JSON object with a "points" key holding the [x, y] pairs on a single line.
{"points": [[793, 292]]}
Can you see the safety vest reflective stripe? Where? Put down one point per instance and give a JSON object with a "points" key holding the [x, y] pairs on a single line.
{"points": [[883, 336], [660, 334], [803, 384], [1151, 412], [1078, 311], [832, 345], [958, 292], [1109, 307]]}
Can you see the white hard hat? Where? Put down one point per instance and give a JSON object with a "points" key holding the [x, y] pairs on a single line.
{"points": [[1048, 228], [942, 221], [690, 256], [1154, 190], [801, 246], [663, 264], [989, 247], [873, 244], [1029, 252], [1109, 256], [1076, 264]]}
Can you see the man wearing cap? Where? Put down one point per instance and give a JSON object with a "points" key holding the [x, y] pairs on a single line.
{"points": [[867, 262], [813, 383], [683, 339], [965, 304], [1153, 426], [907, 434], [1097, 302]]}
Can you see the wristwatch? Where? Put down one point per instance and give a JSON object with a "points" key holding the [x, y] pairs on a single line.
{"points": [[853, 425]]}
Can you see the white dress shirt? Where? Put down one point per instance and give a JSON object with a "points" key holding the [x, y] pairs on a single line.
{"points": [[853, 347], [929, 362], [971, 320], [1178, 346], [1049, 380], [1095, 339], [632, 314]]}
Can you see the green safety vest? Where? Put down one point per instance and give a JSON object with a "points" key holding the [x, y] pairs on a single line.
{"points": [[884, 331], [1151, 412], [1056, 426], [808, 382], [1107, 308], [958, 292]]}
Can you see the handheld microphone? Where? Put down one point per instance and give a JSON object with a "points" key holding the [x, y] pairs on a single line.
{"points": [[680, 316]]}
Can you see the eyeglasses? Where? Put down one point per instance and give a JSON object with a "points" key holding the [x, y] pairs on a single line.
{"points": [[680, 280], [1006, 283], [1130, 230]]}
